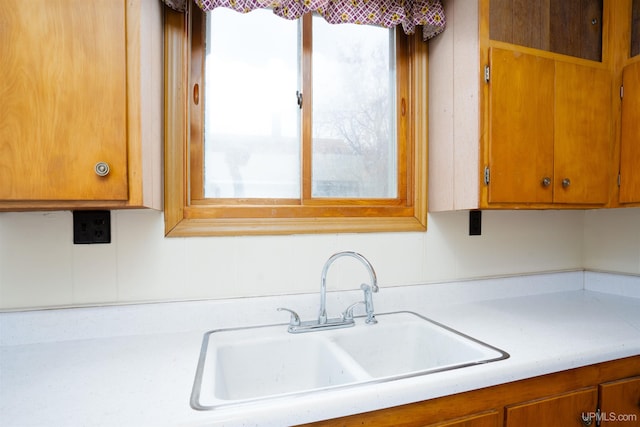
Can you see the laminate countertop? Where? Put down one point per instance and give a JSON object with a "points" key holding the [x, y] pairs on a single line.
{"points": [[134, 365]]}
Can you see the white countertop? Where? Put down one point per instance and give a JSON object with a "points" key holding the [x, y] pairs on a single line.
{"points": [[135, 365]]}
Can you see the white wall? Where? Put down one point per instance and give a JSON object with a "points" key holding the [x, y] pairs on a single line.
{"points": [[612, 240], [41, 267]]}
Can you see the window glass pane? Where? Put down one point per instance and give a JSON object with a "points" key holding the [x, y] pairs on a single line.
{"points": [[251, 125], [354, 135]]}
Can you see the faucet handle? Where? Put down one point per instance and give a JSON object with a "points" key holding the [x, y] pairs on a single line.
{"points": [[348, 313], [295, 319]]}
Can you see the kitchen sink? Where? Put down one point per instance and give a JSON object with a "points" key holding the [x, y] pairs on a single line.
{"points": [[275, 365], [241, 365], [405, 343]]}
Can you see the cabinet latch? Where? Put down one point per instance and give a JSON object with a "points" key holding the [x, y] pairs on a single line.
{"points": [[487, 175], [487, 73]]}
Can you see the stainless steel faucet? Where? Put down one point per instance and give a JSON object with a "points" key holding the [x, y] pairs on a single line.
{"points": [[322, 316], [368, 302], [346, 320]]}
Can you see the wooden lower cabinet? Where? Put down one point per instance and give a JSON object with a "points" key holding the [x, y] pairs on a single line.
{"points": [[489, 419], [575, 408], [620, 403], [608, 392]]}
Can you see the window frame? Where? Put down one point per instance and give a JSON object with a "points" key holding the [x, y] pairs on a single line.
{"points": [[187, 216]]}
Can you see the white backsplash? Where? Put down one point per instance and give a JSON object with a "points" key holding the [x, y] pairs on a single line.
{"points": [[612, 240], [42, 326], [40, 266]]}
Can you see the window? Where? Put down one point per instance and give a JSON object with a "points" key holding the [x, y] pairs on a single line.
{"points": [[292, 126]]}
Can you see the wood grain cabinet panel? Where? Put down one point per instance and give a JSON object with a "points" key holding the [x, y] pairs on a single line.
{"points": [[583, 138], [630, 135], [521, 128], [550, 137], [620, 403], [489, 419], [63, 100], [570, 27], [448, 414], [565, 410], [80, 84]]}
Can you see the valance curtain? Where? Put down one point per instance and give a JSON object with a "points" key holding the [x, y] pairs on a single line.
{"points": [[387, 13]]}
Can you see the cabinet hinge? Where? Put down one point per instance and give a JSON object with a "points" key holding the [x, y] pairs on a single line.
{"points": [[619, 179], [487, 175], [487, 73], [621, 92], [299, 99]]}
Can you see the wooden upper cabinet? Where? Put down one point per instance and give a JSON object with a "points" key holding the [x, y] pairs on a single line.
{"points": [[64, 95], [549, 130], [80, 85], [583, 140], [537, 127], [630, 123], [630, 135], [521, 124], [549, 119]]}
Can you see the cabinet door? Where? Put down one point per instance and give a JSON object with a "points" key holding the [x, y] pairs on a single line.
{"points": [[564, 410], [583, 139], [521, 122], [489, 419], [630, 135], [620, 403], [63, 92]]}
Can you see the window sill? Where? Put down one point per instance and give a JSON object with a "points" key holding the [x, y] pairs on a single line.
{"points": [[278, 226]]}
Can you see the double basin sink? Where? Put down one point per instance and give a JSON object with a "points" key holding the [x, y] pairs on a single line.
{"points": [[242, 365]]}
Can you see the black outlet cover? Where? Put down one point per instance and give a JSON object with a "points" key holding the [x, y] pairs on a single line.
{"points": [[475, 223], [91, 227]]}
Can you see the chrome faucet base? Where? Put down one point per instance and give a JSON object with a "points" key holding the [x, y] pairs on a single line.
{"points": [[314, 325], [371, 320]]}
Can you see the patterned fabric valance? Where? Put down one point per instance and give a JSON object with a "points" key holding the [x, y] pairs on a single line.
{"points": [[387, 13]]}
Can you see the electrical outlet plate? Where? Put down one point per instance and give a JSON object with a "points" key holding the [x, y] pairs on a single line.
{"points": [[91, 227], [475, 223]]}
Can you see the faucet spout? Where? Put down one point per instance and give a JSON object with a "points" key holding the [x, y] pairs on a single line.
{"points": [[322, 316]]}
